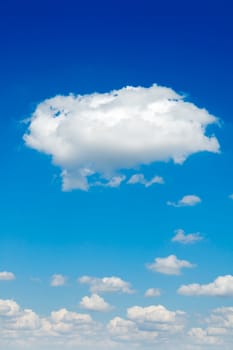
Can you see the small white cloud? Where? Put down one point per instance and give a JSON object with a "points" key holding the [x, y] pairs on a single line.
{"points": [[6, 276], [95, 303], [187, 201], [221, 286], [183, 238], [106, 284], [140, 179], [102, 135], [170, 265], [58, 280], [231, 196], [152, 292]]}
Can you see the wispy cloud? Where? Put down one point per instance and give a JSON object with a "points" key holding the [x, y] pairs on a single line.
{"points": [[140, 179], [186, 201], [190, 238]]}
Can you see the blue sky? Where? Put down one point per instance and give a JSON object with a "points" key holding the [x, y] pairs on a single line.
{"points": [[52, 234]]}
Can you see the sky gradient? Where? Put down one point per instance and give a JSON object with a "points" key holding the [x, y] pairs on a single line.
{"points": [[141, 257]]}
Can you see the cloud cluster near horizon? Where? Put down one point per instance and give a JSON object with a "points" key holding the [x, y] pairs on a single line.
{"points": [[148, 326], [96, 138]]}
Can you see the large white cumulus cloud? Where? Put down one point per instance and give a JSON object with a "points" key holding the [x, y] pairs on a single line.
{"points": [[94, 138]]}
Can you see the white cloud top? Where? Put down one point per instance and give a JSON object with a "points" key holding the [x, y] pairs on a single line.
{"points": [[106, 284], [6, 276], [170, 265], [187, 201], [181, 237], [95, 303], [221, 286], [94, 138]]}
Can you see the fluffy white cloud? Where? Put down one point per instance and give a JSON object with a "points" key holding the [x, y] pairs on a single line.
{"points": [[140, 179], [183, 238], [231, 196], [63, 328], [106, 284], [147, 324], [93, 138], [187, 201], [58, 280], [22, 328], [121, 327], [8, 307], [152, 292], [221, 286], [6, 276], [27, 320], [63, 315], [127, 330], [95, 303], [153, 326], [217, 329], [170, 265], [202, 336], [221, 319], [153, 313], [13, 318]]}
